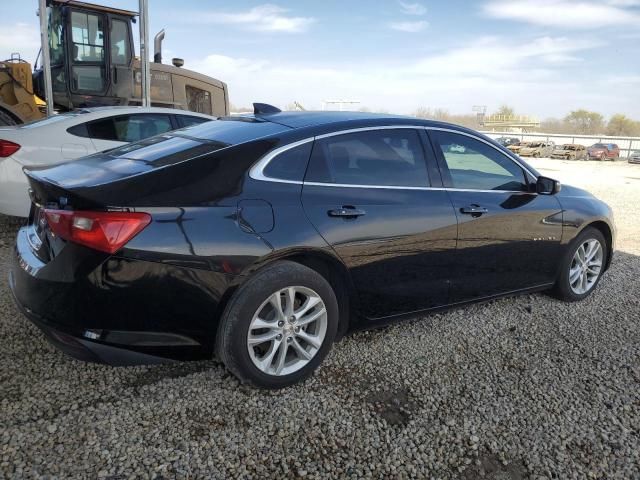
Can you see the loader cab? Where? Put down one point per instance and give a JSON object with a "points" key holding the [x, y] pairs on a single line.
{"points": [[91, 51], [93, 64]]}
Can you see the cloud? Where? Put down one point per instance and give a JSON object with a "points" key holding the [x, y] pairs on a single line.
{"points": [[564, 14], [262, 18], [412, 8], [409, 27], [21, 38], [539, 77], [624, 3]]}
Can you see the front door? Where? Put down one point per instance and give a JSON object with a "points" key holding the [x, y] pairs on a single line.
{"points": [[368, 194], [508, 235]]}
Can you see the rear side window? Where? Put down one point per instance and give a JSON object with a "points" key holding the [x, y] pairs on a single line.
{"points": [[129, 128], [188, 121], [377, 157], [290, 164]]}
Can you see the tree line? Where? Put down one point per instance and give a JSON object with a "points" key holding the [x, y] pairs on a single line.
{"points": [[579, 122]]}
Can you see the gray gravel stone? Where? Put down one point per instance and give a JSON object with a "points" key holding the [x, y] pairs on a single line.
{"points": [[526, 387]]}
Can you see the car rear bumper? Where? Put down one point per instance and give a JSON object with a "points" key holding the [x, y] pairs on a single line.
{"points": [[92, 313], [84, 349], [14, 196]]}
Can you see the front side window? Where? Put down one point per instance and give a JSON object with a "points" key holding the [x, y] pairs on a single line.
{"points": [[129, 128], [55, 31], [119, 40], [474, 165], [391, 157], [87, 36]]}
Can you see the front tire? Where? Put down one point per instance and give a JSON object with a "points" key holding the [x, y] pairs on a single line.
{"points": [[279, 326], [582, 266]]}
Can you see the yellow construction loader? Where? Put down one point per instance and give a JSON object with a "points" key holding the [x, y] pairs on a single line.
{"points": [[93, 63]]}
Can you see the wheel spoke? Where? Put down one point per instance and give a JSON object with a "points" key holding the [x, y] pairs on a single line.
{"points": [[308, 305], [290, 296], [584, 281], [594, 269], [302, 353], [282, 356], [311, 318], [265, 337], [265, 362], [260, 323], [276, 302], [574, 275], [593, 251], [312, 340]]}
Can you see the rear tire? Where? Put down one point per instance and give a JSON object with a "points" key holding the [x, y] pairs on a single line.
{"points": [[269, 341], [582, 266]]}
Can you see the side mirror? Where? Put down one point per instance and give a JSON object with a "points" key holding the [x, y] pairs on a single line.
{"points": [[547, 186]]}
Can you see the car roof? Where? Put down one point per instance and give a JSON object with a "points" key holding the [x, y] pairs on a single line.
{"points": [[311, 119], [137, 109]]}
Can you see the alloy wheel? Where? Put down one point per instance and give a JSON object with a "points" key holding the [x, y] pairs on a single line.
{"points": [[586, 266], [287, 330]]}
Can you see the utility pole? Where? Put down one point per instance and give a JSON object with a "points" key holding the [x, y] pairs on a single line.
{"points": [[144, 54], [46, 55]]}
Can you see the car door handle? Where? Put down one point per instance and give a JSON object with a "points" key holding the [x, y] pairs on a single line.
{"points": [[346, 211], [475, 210]]}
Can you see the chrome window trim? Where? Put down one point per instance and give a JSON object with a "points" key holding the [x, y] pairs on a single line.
{"points": [[257, 170], [397, 187]]}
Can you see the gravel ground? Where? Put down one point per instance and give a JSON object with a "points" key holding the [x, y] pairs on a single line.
{"points": [[527, 387]]}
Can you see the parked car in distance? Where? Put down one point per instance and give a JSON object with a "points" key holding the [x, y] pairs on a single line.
{"points": [[604, 151], [634, 157], [67, 136], [506, 141], [570, 151], [537, 149], [515, 148], [262, 239]]}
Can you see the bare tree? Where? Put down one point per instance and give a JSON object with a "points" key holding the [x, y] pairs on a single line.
{"points": [[585, 122], [620, 124]]}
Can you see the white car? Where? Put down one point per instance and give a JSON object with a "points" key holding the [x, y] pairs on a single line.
{"points": [[67, 136]]}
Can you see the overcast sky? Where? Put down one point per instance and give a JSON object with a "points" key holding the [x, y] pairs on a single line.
{"points": [[543, 57]]}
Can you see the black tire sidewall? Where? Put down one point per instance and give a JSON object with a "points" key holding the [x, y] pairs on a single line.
{"points": [[232, 333], [563, 287]]}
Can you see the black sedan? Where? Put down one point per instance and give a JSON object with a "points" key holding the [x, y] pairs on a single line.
{"points": [[263, 238]]}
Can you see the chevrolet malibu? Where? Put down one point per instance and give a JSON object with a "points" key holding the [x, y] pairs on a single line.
{"points": [[262, 239]]}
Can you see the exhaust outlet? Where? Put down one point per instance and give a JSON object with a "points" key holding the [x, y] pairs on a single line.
{"points": [[157, 46]]}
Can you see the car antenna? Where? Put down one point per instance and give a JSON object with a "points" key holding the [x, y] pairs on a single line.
{"points": [[264, 109]]}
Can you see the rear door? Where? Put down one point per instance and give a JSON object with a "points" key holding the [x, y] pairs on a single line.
{"points": [[508, 236], [369, 194]]}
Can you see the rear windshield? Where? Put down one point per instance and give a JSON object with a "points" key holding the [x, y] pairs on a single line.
{"points": [[195, 140]]}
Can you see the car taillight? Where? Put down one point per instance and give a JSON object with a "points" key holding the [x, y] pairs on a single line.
{"points": [[8, 148], [104, 231]]}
